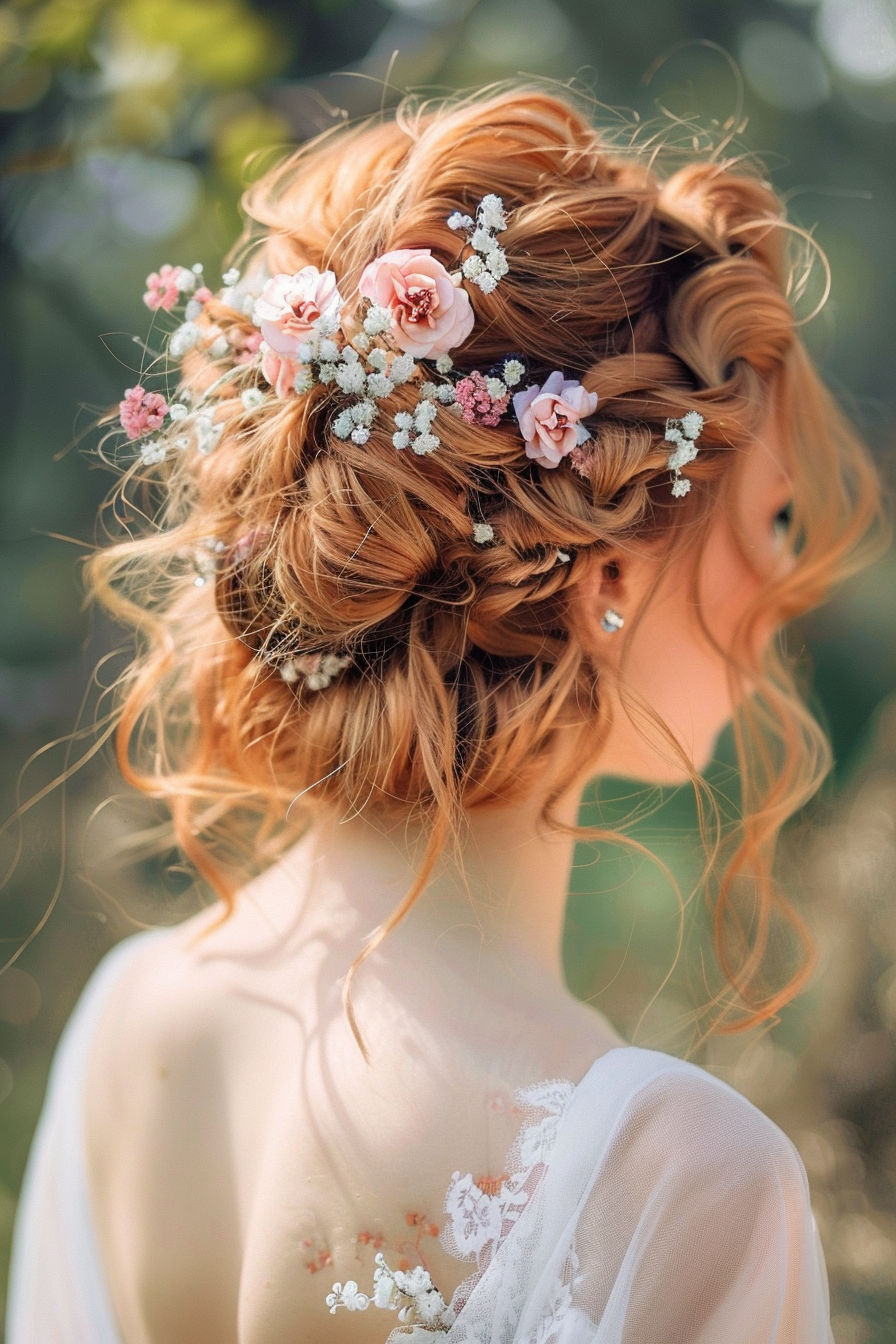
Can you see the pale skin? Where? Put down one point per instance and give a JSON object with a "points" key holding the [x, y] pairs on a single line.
{"points": [[236, 1134]]}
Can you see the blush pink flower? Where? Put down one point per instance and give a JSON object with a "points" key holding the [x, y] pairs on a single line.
{"points": [[290, 305], [550, 417], [203, 294], [478, 406], [279, 370], [163, 288], [430, 313], [141, 412]]}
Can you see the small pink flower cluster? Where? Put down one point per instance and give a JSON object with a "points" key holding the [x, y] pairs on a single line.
{"points": [[162, 288], [477, 404], [165, 286], [141, 412]]}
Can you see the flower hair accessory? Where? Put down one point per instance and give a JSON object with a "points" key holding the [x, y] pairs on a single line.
{"points": [[550, 417], [489, 262], [417, 310], [292, 311], [428, 313], [684, 433], [289, 334], [318, 669], [291, 307]]}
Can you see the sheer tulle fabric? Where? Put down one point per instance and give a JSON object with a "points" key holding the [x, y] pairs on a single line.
{"points": [[57, 1288], [649, 1204], [668, 1211]]}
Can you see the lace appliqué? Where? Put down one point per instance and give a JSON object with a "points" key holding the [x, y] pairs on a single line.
{"points": [[560, 1314], [478, 1222]]}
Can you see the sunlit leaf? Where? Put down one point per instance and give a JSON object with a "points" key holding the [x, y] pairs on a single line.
{"points": [[222, 42]]}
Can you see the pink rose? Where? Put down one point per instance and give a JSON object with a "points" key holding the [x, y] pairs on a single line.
{"points": [[430, 314], [290, 305], [279, 370], [141, 412], [550, 418], [164, 286]]}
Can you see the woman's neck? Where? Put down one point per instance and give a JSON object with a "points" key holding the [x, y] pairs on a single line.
{"points": [[496, 897]]}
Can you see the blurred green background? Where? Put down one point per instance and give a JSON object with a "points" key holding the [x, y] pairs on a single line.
{"points": [[125, 126]]}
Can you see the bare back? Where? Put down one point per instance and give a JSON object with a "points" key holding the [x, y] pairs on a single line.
{"points": [[243, 1155]]}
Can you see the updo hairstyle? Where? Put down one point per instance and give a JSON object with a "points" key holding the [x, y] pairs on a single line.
{"points": [[662, 291]]}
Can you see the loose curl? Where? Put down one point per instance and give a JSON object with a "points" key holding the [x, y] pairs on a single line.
{"points": [[663, 294]]}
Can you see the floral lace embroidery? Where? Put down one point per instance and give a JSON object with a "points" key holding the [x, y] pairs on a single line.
{"points": [[477, 1220], [560, 1307], [480, 1216]]}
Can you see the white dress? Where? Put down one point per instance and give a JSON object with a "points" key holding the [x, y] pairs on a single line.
{"points": [[647, 1204]]}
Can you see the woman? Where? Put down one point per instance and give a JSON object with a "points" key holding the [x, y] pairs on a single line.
{"points": [[498, 467]]}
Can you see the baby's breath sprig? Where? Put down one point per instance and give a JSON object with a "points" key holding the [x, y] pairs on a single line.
{"points": [[684, 434], [488, 264], [413, 429], [370, 376]]}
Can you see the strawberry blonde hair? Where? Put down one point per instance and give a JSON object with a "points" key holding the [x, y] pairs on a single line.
{"points": [[663, 291]]}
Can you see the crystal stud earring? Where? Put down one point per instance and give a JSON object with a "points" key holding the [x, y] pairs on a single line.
{"points": [[611, 621]]}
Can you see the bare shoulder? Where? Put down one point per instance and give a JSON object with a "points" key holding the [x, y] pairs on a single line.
{"points": [[152, 1018], [153, 999], [180, 992], [191, 1028]]}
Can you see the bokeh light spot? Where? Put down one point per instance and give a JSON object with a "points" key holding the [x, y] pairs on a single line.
{"points": [[152, 198], [783, 66], [250, 130], [9, 30], [517, 33], [61, 29], [22, 85], [859, 36], [225, 42]]}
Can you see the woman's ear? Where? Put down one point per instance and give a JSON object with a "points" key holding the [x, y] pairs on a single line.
{"points": [[660, 675], [611, 598]]}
